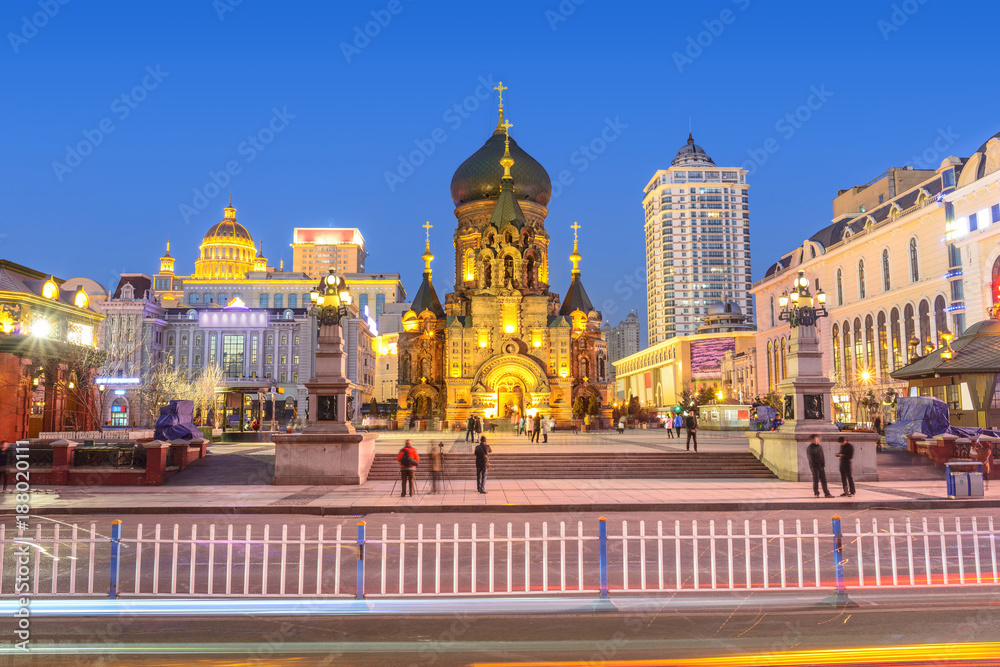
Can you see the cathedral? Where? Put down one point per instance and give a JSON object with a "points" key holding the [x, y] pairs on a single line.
{"points": [[502, 344]]}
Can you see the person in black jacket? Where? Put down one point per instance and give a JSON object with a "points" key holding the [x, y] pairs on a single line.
{"points": [[470, 428], [482, 463], [846, 455], [691, 424], [817, 464]]}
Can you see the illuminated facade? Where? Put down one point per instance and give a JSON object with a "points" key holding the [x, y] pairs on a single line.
{"points": [[909, 257], [48, 355], [697, 225], [502, 342], [315, 250]]}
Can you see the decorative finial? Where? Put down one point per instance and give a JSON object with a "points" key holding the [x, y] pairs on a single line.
{"points": [[506, 161], [575, 257], [500, 88], [168, 246], [428, 256], [230, 199]]}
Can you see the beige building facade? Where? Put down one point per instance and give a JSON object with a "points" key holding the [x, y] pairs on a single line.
{"points": [[315, 250]]}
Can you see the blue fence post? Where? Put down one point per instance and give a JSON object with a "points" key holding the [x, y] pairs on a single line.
{"points": [[604, 556], [361, 561], [839, 599], [116, 549]]}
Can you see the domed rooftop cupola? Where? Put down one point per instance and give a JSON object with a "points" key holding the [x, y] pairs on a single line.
{"points": [[227, 251], [478, 178], [692, 155]]}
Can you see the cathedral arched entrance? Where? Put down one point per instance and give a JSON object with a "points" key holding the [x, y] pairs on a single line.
{"points": [[510, 383], [510, 397]]}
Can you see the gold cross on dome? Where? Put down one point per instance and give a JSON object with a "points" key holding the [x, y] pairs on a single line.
{"points": [[575, 226], [500, 88], [506, 127], [427, 225]]}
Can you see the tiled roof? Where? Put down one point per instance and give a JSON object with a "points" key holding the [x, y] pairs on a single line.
{"points": [[975, 351]]}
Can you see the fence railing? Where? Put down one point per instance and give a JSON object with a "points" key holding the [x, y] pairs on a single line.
{"points": [[494, 559]]}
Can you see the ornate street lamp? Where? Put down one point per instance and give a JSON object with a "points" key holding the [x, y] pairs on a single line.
{"points": [[797, 307], [330, 300]]}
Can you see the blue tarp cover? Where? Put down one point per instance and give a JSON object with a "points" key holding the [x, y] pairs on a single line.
{"points": [[176, 422], [917, 414]]}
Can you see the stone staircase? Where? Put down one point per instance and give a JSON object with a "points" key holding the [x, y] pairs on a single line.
{"points": [[573, 465]]}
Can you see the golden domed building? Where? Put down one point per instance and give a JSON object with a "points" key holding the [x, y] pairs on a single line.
{"points": [[502, 343], [227, 251]]}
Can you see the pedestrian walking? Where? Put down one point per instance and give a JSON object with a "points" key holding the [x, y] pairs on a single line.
{"points": [[545, 428], [478, 428], [470, 428], [669, 426], [691, 425], [3, 463], [678, 422], [520, 426], [482, 463], [817, 465], [436, 455], [536, 429], [621, 425], [408, 460], [846, 455], [530, 428]]}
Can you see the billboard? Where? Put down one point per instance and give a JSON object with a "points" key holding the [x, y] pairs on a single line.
{"points": [[706, 357]]}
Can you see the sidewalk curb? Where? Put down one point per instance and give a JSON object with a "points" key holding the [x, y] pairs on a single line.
{"points": [[319, 510]]}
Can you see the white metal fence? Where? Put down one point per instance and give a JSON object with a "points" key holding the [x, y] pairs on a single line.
{"points": [[488, 559]]}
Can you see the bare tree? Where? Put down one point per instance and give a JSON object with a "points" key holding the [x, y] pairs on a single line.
{"points": [[162, 383], [203, 388]]}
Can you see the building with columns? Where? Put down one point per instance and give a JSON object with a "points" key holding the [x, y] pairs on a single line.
{"points": [[909, 258], [502, 342]]}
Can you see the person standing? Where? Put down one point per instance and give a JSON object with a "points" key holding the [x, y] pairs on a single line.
{"points": [[691, 425], [846, 455], [3, 463], [621, 425], [669, 425], [520, 426], [478, 428], [408, 460], [817, 465], [678, 422], [545, 428], [529, 428], [470, 428], [536, 431], [482, 463], [436, 455]]}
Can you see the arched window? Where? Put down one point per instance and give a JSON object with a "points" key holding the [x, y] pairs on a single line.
{"points": [[846, 333], [861, 278], [908, 331], [870, 344], [279, 301], [222, 298], [470, 265], [770, 377], [859, 347], [836, 353], [263, 301], [883, 347], [840, 287], [925, 327], [886, 280], [362, 303], [772, 310], [193, 297], [940, 318], [306, 300], [293, 300], [379, 304], [784, 366], [914, 263], [897, 345]]}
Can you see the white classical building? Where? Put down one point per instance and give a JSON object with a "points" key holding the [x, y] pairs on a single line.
{"points": [[909, 257]]}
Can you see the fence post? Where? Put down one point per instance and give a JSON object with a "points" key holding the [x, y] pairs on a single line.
{"points": [[116, 548], [361, 561], [604, 556], [839, 599]]}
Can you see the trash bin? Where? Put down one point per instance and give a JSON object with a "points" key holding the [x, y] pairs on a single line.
{"points": [[967, 481]]}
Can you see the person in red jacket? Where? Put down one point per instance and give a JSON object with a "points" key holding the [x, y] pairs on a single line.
{"points": [[408, 460]]}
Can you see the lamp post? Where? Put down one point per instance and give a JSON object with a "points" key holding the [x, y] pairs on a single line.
{"points": [[328, 389], [800, 307]]}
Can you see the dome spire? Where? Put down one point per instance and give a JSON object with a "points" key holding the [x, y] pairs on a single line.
{"points": [[500, 88], [507, 161], [230, 211], [428, 256], [575, 257]]}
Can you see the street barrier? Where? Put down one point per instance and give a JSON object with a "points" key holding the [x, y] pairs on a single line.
{"points": [[398, 561]]}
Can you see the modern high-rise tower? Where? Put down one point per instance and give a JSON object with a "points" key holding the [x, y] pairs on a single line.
{"points": [[697, 242]]}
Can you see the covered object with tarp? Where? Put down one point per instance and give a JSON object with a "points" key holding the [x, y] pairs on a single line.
{"points": [[917, 414]]}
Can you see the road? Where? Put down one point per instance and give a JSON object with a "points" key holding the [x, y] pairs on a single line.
{"points": [[759, 624]]}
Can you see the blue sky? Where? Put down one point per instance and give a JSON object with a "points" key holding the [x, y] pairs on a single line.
{"points": [[894, 77]]}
